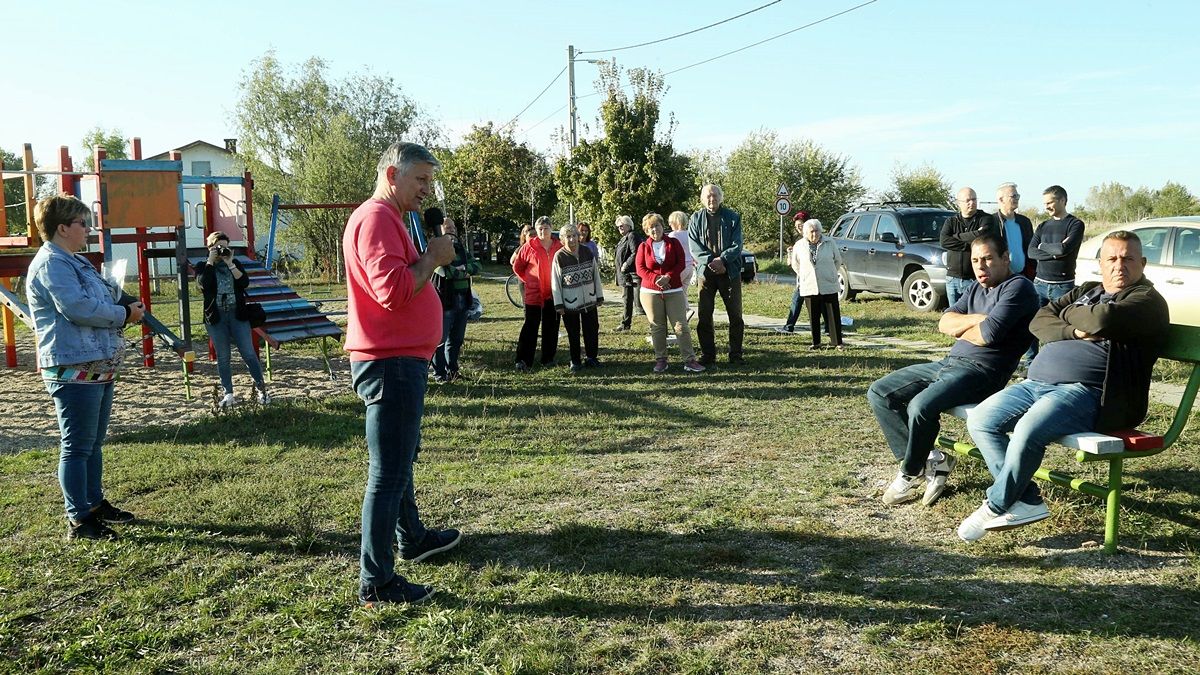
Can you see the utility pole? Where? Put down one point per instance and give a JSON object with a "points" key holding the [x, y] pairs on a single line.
{"points": [[571, 113]]}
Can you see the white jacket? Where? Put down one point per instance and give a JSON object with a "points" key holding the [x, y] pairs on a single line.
{"points": [[821, 279]]}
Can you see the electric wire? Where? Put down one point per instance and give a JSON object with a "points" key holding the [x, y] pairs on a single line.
{"points": [[696, 30], [535, 99], [774, 37]]}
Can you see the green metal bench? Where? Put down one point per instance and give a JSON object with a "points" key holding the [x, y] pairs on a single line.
{"points": [[1183, 344]]}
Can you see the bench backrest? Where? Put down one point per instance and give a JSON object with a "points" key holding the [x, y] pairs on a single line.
{"points": [[1183, 344]]}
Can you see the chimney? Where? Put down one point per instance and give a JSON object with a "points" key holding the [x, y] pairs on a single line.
{"points": [[231, 145]]}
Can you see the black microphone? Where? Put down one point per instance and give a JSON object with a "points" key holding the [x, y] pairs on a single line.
{"points": [[434, 218]]}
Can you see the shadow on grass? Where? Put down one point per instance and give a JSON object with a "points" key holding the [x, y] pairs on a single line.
{"points": [[861, 581]]}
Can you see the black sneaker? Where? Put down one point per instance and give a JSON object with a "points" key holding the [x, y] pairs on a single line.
{"points": [[591, 363], [398, 590], [735, 360], [576, 367], [707, 359], [90, 528], [621, 329], [436, 541], [107, 513], [522, 366]]}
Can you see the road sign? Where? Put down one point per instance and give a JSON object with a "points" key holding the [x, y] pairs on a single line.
{"points": [[782, 191], [782, 206]]}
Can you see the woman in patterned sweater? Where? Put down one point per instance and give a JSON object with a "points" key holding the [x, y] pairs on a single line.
{"points": [[575, 283]]}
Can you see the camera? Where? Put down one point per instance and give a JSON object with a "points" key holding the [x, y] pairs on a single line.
{"points": [[223, 251]]}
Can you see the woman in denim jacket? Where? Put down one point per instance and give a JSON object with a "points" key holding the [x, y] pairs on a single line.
{"points": [[77, 318], [224, 282]]}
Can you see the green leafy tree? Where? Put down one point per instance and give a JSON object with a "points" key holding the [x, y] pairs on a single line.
{"points": [[1107, 202], [749, 178], [924, 184], [17, 217], [113, 141], [633, 168], [1173, 199], [493, 183], [315, 140]]}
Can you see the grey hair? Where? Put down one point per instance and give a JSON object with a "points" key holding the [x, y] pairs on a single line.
{"points": [[568, 229], [626, 220], [677, 217], [714, 188], [404, 156], [1005, 186], [815, 224], [542, 220]]}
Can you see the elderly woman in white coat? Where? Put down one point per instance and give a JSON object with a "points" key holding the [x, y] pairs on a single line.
{"points": [[816, 260]]}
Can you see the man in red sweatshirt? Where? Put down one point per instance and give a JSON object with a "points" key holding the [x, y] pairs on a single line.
{"points": [[394, 324]]}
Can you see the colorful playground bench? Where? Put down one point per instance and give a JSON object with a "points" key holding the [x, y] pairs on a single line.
{"points": [[1183, 345]]}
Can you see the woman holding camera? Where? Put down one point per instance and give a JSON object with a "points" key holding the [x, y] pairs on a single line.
{"points": [[223, 281], [77, 318]]}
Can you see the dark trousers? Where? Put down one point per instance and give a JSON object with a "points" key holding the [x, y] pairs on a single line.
{"points": [[824, 306], [589, 321], [794, 313], [730, 288], [630, 296], [545, 316]]}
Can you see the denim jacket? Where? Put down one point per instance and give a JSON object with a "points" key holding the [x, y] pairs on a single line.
{"points": [[75, 312]]}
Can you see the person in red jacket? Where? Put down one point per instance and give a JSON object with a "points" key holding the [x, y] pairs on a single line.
{"points": [[532, 265], [394, 322], [660, 262]]}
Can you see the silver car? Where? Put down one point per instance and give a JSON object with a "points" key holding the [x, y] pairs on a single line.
{"points": [[1172, 250]]}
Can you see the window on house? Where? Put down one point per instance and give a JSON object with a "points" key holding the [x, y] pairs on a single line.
{"points": [[201, 168]]}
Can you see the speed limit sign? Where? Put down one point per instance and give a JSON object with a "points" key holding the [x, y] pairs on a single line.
{"points": [[782, 206]]}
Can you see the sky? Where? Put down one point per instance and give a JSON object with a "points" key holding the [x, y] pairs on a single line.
{"points": [[1066, 92]]}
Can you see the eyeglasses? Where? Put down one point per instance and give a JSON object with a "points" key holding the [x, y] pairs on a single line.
{"points": [[79, 221]]}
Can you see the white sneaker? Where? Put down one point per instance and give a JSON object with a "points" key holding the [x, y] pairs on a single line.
{"points": [[936, 473], [975, 525], [1020, 514], [903, 489], [227, 401], [263, 397]]}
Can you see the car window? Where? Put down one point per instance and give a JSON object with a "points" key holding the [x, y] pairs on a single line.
{"points": [[1187, 247], [887, 223], [923, 226], [1154, 240], [862, 227], [839, 228]]}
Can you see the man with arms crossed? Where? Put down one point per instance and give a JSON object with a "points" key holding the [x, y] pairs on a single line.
{"points": [[958, 232], [394, 324], [715, 238], [1054, 246], [991, 322], [1099, 344]]}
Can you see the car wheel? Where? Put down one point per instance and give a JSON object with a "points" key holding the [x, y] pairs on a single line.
{"points": [[920, 294], [845, 293]]}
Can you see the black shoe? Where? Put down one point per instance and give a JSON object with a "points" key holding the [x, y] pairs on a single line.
{"points": [[522, 366], [398, 590], [707, 359], [107, 513], [736, 359], [591, 363], [436, 541], [576, 367], [90, 528], [621, 329]]}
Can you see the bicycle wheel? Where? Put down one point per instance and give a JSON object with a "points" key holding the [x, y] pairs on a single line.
{"points": [[514, 288]]}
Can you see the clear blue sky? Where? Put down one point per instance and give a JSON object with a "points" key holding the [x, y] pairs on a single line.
{"points": [[1071, 92]]}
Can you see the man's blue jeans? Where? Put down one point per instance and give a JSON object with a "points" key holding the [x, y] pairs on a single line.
{"points": [[908, 404], [1048, 291], [794, 311], [394, 392], [229, 330], [955, 288], [1013, 427], [83, 412], [454, 331]]}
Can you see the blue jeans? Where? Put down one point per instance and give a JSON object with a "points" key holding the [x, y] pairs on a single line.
{"points": [[83, 411], [394, 392], [229, 330], [955, 288], [908, 404], [454, 331], [1013, 427], [794, 311]]}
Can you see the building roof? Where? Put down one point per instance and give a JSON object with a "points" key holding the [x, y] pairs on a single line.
{"points": [[189, 146]]}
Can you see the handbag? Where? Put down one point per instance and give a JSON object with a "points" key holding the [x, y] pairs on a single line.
{"points": [[254, 314]]}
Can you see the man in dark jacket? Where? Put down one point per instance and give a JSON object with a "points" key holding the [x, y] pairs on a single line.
{"points": [[627, 278], [1054, 246], [1099, 344], [958, 232], [715, 239], [1015, 229]]}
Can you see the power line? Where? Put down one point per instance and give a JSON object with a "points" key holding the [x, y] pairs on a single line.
{"points": [[531, 128], [535, 100], [697, 30], [774, 37]]}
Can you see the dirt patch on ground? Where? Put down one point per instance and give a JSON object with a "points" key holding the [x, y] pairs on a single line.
{"points": [[155, 396]]}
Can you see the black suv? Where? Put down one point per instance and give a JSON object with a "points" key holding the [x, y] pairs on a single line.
{"points": [[892, 247]]}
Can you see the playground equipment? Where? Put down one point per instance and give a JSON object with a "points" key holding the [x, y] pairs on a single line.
{"points": [[125, 195]]}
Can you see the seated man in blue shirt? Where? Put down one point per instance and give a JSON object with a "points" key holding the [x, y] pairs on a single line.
{"points": [[1099, 344], [991, 322]]}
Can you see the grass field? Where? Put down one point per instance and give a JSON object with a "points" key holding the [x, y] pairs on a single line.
{"points": [[615, 521]]}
